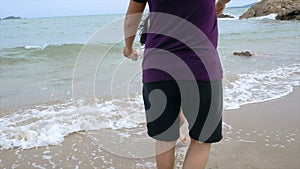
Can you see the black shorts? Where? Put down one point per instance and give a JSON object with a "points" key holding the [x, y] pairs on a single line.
{"points": [[201, 103]]}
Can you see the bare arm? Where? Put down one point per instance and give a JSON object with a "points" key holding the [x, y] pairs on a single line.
{"points": [[132, 21], [220, 6]]}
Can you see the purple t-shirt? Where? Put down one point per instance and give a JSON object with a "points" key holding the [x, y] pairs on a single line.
{"points": [[182, 41]]}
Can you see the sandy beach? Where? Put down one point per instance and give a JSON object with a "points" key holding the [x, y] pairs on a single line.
{"points": [[70, 99], [263, 136], [260, 136]]}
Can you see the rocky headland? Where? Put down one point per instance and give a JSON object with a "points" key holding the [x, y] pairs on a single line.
{"points": [[286, 9], [12, 17]]}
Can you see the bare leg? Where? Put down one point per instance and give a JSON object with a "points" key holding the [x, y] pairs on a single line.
{"points": [[165, 154], [197, 155], [182, 118]]}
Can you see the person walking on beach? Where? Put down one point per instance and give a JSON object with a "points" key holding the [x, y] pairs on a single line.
{"points": [[166, 86]]}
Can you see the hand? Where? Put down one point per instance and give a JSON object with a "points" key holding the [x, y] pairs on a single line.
{"points": [[220, 7], [130, 53]]}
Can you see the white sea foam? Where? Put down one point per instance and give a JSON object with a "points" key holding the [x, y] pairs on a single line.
{"points": [[34, 128], [43, 46], [270, 16], [33, 47], [48, 124], [260, 86], [247, 141], [227, 126]]}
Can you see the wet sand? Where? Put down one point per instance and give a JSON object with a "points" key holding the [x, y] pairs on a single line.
{"points": [[263, 136], [260, 136]]}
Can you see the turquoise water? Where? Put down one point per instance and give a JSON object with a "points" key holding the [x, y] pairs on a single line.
{"points": [[38, 58]]}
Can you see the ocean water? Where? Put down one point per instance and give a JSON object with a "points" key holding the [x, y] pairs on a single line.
{"points": [[43, 98]]}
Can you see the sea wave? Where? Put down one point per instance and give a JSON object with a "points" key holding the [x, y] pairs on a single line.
{"points": [[48, 124], [23, 54], [35, 47], [270, 16], [258, 87], [59, 46]]}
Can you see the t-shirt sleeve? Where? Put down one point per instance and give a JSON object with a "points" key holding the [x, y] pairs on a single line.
{"points": [[141, 1]]}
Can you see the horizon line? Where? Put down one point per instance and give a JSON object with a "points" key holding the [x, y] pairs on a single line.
{"points": [[54, 16]]}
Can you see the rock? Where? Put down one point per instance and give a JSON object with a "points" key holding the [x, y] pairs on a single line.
{"points": [[246, 53], [294, 15], [225, 16], [266, 7], [12, 17]]}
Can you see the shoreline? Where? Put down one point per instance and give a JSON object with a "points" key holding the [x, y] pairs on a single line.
{"points": [[11, 109], [261, 135]]}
